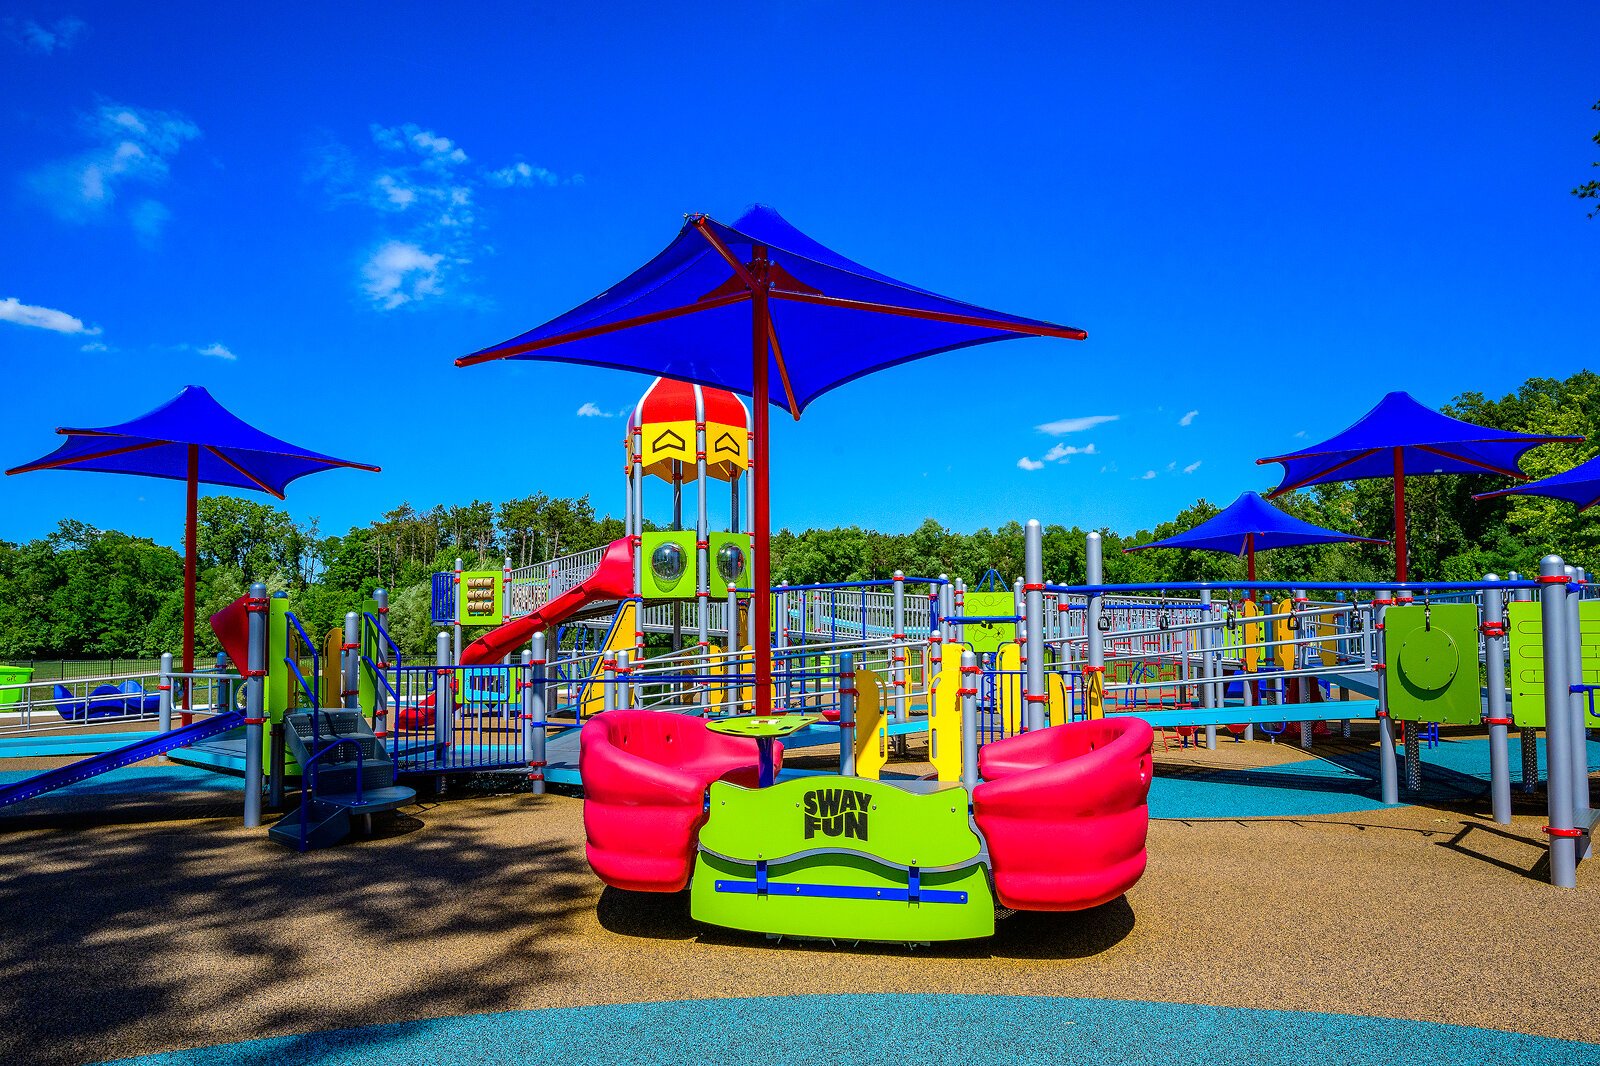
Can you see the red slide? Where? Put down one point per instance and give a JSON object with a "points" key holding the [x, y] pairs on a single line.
{"points": [[612, 580]]}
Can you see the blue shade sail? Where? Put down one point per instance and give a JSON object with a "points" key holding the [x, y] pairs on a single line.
{"points": [[227, 450], [1400, 435], [1252, 524], [686, 314], [1580, 486]]}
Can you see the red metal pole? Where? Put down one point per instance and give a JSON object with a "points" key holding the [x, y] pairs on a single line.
{"points": [[1250, 560], [760, 500], [1399, 515], [189, 562]]}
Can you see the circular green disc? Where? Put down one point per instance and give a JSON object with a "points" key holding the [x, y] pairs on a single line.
{"points": [[1429, 658]]}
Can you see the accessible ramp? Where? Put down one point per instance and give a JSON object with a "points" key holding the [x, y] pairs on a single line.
{"points": [[116, 758]]}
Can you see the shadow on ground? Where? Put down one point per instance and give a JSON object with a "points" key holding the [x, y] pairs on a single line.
{"points": [[107, 931]]}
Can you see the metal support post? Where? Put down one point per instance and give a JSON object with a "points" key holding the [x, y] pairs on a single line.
{"points": [[534, 707], [255, 694], [1388, 787], [847, 714], [350, 661], [455, 626], [443, 703], [1034, 694], [608, 684], [164, 686], [898, 652], [1496, 713], [969, 721], [1208, 692], [1558, 739], [1094, 672]]}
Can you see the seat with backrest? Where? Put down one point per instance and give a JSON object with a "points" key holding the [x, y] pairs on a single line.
{"points": [[1063, 812], [645, 775]]}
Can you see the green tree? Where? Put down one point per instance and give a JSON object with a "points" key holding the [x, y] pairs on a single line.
{"points": [[1590, 190]]}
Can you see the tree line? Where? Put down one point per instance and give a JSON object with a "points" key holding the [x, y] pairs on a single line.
{"points": [[82, 592]]}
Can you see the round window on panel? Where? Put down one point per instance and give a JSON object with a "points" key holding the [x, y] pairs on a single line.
{"points": [[730, 562], [666, 562]]}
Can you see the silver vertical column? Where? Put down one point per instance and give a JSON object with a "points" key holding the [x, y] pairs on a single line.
{"points": [[443, 712], [455, 623], [969, 720], [255, 700], [1388, 786], [1094, 574], [1034, 694], [730, 699], [847, 714], [702, 527], [1558, 720], [898, 652], [165, 688], [1208, 696], [1496, 713], [350, 658], [536, 716]]}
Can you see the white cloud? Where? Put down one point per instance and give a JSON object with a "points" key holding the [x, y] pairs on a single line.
{"points": [[1063, 426], [1146, 476], [1301, 434], [14, 310], [130, 147], [589, 410], [1029, 464], [1192, 467], [1061, 453], [426, 188], [1188, 419], [523, 175], [400, 272], [58, 36], [94, 346], [217, 351]]}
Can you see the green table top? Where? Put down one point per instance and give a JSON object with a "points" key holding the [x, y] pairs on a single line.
{"points": [[756, 726]]}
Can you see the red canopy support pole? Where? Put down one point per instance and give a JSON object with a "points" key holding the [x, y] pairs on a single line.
{"points": [[761, 498], [1250, 561], [189, 553], [1399, 515]]}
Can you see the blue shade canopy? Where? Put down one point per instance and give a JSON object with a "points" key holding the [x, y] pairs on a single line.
{"points": [[686, 315], [1580, 485], [1400, 436], [226, 450], [1252, 524]]}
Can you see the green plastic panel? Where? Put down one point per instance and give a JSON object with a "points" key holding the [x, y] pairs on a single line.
{"points": [[988, 636], [659, 579], [745, 577], [1432, 658], [891, 920], [480, 598], [762, 725], [1526, 632], [851, 835], [898, 827]]}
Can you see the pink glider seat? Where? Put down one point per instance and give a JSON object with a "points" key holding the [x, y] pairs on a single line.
{"points": [[1063, 811], [645, 774]]}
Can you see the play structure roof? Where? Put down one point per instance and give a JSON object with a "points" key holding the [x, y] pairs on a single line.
{"points": [[228, 450], [669, 400], [834, 320], [1401, 434], [1252, 523], [1580, 486]]}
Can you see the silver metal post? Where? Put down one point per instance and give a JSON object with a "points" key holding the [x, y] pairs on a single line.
{"points": [[255, 692], [898, 653], [969, 721], [847, 714], [1208, 695], [443, 707], [1034, 694], [626, 700], [534, 706], [1558, 720], [350, 658], [455, 625], [1094, 574], [1388, 786], [958, 599], [608, 686], [164, 687], [1496, 713]]}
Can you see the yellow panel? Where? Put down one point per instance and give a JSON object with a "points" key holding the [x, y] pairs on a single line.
{"points": [[714, 667], [1327, 625], [944, 716], [872, 726], [1009, 683], [1060, 699], [1094, 692], [1283, 654], [663, 442], [1252, 635], [332, 673], [726, 450], [621, 636]]}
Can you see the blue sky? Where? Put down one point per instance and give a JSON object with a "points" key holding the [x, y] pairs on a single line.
{"points": [[1265, 216]]}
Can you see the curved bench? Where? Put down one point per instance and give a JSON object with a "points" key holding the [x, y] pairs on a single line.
{"points": [[645, 775], [1063, 812]]}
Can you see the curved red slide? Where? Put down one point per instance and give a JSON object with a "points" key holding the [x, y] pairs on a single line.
{"points": [[612, 580]]}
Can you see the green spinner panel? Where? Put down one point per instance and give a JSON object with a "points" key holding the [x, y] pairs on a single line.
{"points": [[988, 636], [837, 854], [1525, 629], [669, 564], [371, 652], [731, 555], [480, 598], [1432, 659]]}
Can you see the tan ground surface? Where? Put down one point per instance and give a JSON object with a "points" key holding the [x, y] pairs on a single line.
{"points": [[133, 932]]}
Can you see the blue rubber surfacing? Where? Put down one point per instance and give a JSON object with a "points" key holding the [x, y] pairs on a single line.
{"points": [[870, 1028]]}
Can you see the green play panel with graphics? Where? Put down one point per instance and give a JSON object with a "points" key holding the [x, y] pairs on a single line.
{"points": [[843, 859]]}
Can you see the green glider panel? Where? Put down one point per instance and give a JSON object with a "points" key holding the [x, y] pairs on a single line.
{"points": [[1432, 658], [1525, 630]]}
